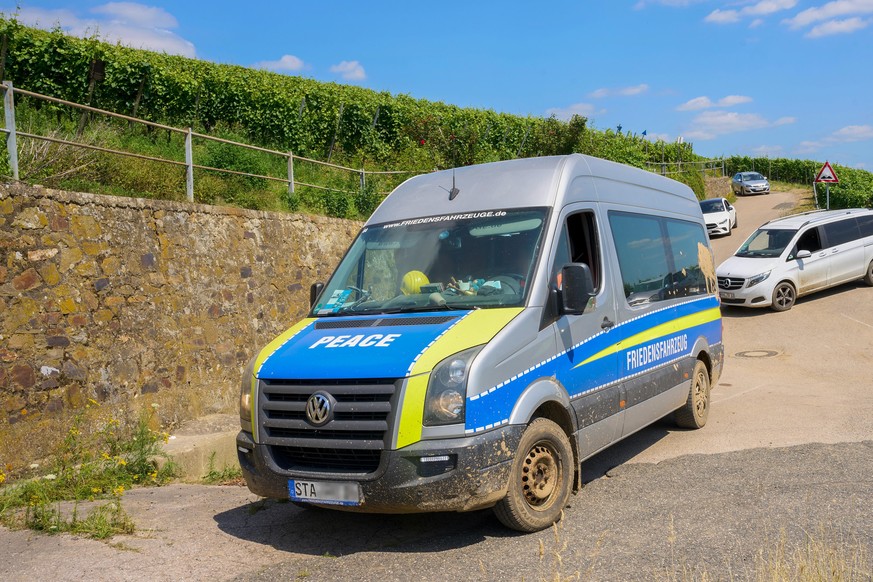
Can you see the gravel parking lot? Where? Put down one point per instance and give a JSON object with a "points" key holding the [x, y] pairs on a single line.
{"points": [[786, 457]]}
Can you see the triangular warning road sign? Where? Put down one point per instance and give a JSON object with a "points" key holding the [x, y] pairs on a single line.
{"points": [[826, 174]]}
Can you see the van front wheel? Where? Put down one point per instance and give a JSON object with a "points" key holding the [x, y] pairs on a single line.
{"points": [[784, 296], [540, 479], [696, 409]]}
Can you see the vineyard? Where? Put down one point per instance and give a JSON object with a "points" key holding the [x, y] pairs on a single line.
{"points": [[330, 122]]}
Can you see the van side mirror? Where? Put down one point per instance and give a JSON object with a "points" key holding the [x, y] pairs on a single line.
{"points": [[804, 254], [314, 291], [577, 288]]}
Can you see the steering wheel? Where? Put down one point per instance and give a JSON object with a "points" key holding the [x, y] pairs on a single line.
{"points": [[513, 281]]}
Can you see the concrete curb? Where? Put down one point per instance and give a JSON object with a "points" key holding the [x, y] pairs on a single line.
{"points": [[203, 445]]}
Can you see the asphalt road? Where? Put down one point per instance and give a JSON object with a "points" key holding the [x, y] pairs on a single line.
{"points": [[785, 461]]}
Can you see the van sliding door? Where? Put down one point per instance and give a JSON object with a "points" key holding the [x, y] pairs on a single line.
{"points": [[588, 369]]}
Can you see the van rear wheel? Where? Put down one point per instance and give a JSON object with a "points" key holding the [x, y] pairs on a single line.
{"points": [[784, 296], [696, 409], [868, 276], [540, 480]]}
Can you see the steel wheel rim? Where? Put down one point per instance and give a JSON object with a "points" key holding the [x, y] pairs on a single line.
{"points": [[784, 295], [540, 475], [699, 395]]}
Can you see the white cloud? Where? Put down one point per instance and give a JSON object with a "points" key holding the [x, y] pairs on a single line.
{"points": [[350, 71], [704, 102], [696, 104], [565, 113], [711, 124], [732, 100], [722, 16], [286, 64], [656, 137], [622, 91], [784, 121], [853, 133], [830, 11], [768, 151], [754, 11], [847, 26], [808, 147], [768, 7], [142, 15], [128, 23]]}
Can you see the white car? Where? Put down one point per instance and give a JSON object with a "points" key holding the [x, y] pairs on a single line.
{"points": [[720, 216], [797, 255]]}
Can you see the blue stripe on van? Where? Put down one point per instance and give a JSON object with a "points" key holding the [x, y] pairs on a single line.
{"points": [[493, 407]]}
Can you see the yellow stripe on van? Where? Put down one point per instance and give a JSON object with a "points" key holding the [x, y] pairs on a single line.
{"points": [[265, 353], [476, 328], [668, 328]]}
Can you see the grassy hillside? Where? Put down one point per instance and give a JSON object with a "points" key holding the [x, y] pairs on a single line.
{"points": [[345, 125]]}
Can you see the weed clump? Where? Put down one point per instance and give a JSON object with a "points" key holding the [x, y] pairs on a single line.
{"points": [[94, 467]]}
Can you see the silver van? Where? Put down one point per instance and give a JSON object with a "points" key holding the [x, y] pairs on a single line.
{"points": [[797, 255], [490, 328]]}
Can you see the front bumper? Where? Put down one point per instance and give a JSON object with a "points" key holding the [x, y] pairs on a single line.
{"points": [[718, 229], [477, 478], [754, 297]]}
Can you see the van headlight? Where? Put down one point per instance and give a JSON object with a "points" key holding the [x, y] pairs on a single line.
{"points": [[445, 402], [245, 396], [758, 278]]}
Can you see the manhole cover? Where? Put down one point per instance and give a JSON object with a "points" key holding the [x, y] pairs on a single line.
{"points": [[757, 354]]}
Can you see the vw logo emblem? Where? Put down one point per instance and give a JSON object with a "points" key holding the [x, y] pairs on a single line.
{"points": [[318, 408]]}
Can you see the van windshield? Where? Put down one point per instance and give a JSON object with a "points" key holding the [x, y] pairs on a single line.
{"points": [[460, 261], [766, 242]]}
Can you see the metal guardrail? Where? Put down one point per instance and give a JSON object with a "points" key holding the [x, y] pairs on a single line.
{"points": [[12, 135]]}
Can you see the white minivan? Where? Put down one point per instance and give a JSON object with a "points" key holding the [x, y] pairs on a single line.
{"points": [[797, 255]]}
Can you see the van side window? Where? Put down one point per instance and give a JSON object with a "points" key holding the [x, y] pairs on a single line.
{"points": [[841, 231], [808, 241], [578, 244], [865, 224], [659, 258], [642, 256], [685, 240]]}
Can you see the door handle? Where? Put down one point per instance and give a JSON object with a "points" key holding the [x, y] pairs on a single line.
{"points": [[607, 324]]}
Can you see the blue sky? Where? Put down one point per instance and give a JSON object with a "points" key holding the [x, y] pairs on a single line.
{"points": [[778, 78]]}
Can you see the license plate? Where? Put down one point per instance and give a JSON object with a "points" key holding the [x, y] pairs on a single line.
{"points": [[327, 492], [727, 295]]}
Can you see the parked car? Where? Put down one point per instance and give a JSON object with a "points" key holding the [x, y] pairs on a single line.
{"points": [[749, 183], [720, 216], [797, 255]]}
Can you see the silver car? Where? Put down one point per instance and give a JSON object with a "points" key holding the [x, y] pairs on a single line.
{"points": [[744, 183]]}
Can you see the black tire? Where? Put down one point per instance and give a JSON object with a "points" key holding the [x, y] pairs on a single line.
{"points": [[696, 409], [784, 296], [541, 479], [868, 276]]}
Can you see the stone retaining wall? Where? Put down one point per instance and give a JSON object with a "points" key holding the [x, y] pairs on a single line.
{"points": [[113, 299]]}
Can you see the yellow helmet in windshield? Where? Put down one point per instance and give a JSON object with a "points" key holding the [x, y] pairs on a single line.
{"points": [[412, 282]]}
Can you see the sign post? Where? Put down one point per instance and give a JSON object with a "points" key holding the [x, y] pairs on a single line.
{"points": [[828, 176]]}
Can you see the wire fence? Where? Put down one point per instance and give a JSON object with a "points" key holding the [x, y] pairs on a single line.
{"points": [[714, 168], [12, 135]]}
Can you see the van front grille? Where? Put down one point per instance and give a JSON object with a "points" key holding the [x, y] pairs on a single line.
{"points": [[352, 439], [731, 283]]}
